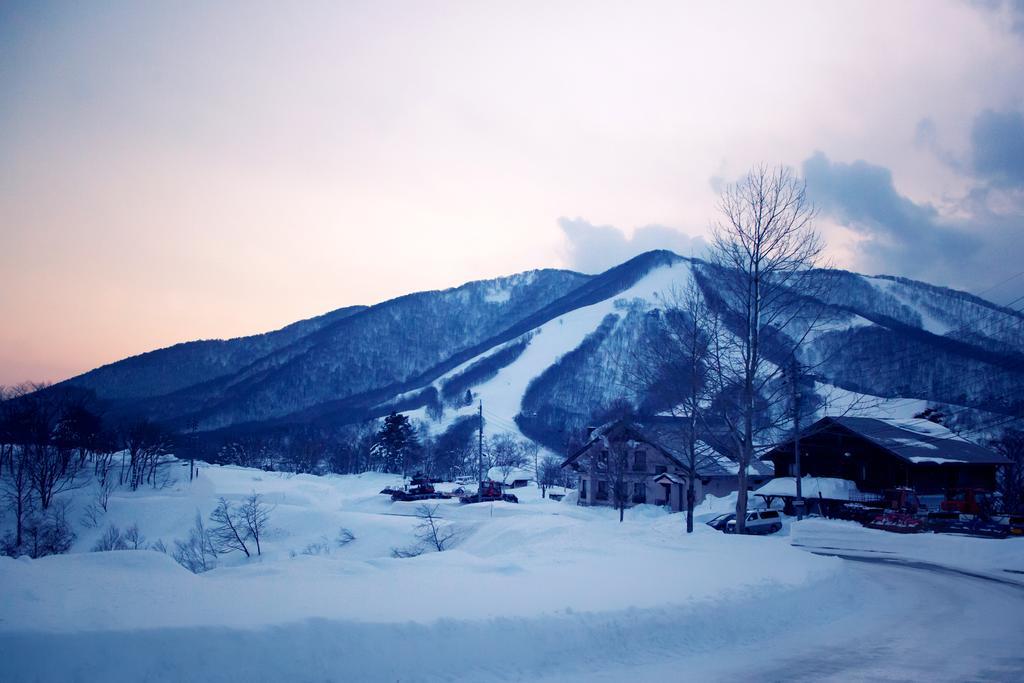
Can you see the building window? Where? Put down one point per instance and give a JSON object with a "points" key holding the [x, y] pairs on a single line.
{"points": [[660, 469], [602, 459], [640, 461], [639, 493], [583, 489], [602, 490]]}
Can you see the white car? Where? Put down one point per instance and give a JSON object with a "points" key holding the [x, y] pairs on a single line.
{"points": [[758, 522]]}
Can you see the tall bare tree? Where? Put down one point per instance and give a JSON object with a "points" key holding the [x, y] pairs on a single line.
{"points": [[765, 252], [507, 454], [228, 531], [256, 515], [148, 447], [672, 363], [1011, 477]]}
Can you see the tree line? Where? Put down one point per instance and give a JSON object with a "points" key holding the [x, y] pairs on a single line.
{"points": [[54, 440]]}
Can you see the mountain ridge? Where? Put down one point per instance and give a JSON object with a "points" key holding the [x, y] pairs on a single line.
{"points": [[359, 362]]}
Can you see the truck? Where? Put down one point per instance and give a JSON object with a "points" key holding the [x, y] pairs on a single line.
{"points": [[488, 492]]}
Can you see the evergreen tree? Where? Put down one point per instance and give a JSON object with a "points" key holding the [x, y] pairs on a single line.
{"points": [[397, 446]]}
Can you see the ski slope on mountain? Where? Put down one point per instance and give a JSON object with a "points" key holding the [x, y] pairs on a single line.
{"points": [[502, 395]]}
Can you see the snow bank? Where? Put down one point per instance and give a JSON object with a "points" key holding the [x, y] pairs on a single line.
{"points": [[1002, 558], [538, 581]]}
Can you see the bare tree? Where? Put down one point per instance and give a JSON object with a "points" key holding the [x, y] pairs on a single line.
{"points": [[256, 515], [46, 532], [431, 531], [608, 466], [198, 553], [17, 420], [549, 475], [149, 448], [1011, 477], [765, 254], [18, 492], [507, 453], [672, 362], [112, 539], [133, 538], [228, 531]]}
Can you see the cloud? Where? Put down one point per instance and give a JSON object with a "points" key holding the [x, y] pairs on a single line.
{"points": [[595, 248], [970, 249], [1011, 12], [997, 148]]}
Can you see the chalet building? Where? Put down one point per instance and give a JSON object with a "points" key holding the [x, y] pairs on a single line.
{"points": [[511, 478], [649, 456], [877, 454]]}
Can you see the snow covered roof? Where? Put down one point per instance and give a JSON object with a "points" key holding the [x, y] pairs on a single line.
{"points": [[812, 487], [514, 474], [667, 435], [918, 440]]}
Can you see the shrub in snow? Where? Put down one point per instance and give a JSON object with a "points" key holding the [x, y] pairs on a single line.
{"points": [[321, 547], [133, 539], [345, 536], [431, 532], [198, 553], [91, 516], [112, 539]]}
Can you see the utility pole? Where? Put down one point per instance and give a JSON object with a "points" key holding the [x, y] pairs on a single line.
{"points": [[192, 451], [794, 378], [480, 452]]}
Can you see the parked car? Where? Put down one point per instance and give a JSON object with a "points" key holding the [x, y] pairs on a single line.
{"points": [[718, 523], [758, 522]]}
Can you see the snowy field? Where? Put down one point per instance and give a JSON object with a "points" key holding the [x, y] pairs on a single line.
{"points": [[539, 590]]}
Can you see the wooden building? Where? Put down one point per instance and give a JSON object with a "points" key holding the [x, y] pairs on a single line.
{"points": [[878, 454], [648, 455]]}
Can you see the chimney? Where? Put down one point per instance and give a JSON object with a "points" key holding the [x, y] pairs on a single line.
{"points": [[590, 432]]}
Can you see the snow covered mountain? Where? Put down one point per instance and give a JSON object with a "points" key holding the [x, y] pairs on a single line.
{"points": [[546, 351]]}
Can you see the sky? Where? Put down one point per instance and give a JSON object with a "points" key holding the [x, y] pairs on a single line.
{"points": [[182, 170]]}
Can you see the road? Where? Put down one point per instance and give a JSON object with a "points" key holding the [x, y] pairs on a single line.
{"points": [[916, 622]]}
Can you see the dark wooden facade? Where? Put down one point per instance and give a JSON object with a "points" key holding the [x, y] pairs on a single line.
{"points": [[870, 453]]}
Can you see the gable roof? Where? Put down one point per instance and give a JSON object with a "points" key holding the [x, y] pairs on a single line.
{"points": [[667, 436], [917, 441]]}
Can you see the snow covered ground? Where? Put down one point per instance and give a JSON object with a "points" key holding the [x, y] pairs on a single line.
{"points": [[530, 591], [1002, 559]]}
